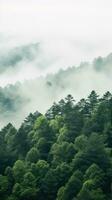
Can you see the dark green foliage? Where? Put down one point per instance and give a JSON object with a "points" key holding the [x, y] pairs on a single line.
{"points": [[72, 187], [32, 155], [22, 141], [65, 154]]}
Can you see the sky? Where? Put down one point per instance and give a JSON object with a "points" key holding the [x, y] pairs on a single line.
{"points": [[68, 32]]}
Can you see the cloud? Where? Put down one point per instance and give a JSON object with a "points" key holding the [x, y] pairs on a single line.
{"points": [[38, 94], [13, 57], [69, 30]]}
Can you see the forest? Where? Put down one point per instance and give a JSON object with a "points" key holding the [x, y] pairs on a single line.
{"points": [[65, 154]]}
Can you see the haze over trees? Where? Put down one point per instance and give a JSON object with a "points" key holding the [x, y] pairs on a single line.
{"points": [[17, 100], [65, 154]]}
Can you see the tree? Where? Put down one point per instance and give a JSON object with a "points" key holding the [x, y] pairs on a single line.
{"points": [[43, 137], [33, 155], [22, 144], [93, 100], [53, 111], [89, 193], [40, 169], [108, 135], [58, 155], [29, 194], [95, 174], [9, 174], [60, 193], [54, 179], [81, 142], [16, 191], [42, 129], [95, 152], [29, 180], [3, 186], [7, 152], [19, 170], [72, 187], [44, 146]]}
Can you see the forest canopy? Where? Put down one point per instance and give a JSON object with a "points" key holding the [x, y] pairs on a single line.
{"points": [[65, 154]]}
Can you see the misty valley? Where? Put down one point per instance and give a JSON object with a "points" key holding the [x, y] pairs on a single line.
{"points": [[17, 100]]}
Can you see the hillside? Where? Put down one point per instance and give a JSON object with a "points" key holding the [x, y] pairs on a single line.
{"points": [[31, 94], [65, 154]]}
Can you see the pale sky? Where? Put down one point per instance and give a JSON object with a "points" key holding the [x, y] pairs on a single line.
{"points": [[70, 30]]}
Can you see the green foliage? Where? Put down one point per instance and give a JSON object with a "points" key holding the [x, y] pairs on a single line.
{"points": [[65, 154], [89, 193], [19, 170], [33, 155], [80, 142], [58, 155], [72, 187], [60, 193], [3, 186], [40, 169]]}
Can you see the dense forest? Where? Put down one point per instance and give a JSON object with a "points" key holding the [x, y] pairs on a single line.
{"points": [[65, 154]]}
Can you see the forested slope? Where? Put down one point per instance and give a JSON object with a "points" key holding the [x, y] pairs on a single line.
{"points": [[65, 154], [16, 101]]}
